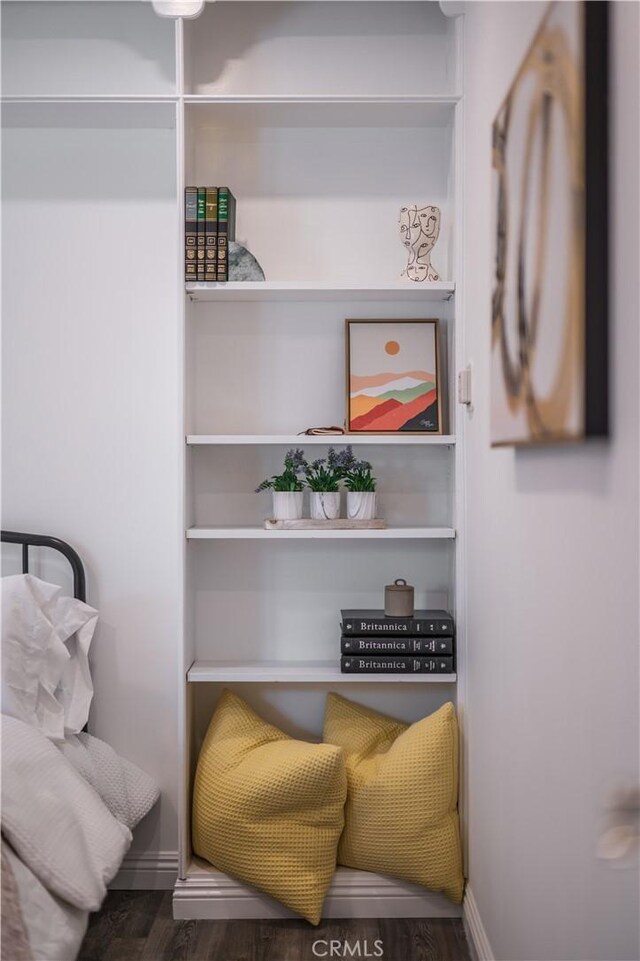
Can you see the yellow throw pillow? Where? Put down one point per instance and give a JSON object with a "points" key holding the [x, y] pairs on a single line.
{"points": [[268, 809], [401, 815]]}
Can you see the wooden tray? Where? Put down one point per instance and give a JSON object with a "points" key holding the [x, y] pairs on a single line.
{"points": [[340, 524]]}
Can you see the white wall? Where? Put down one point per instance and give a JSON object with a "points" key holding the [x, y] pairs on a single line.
{"points": [[552, 702], [91, 405]]}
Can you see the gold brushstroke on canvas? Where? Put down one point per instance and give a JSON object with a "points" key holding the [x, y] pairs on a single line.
{"points": [[557, 85]]}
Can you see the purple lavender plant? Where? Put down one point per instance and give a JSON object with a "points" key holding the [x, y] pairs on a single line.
{"points": [[359, 476], [325, 473], [292, 477]]}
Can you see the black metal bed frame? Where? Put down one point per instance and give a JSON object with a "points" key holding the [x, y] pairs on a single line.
{"points": [[43, 540]]}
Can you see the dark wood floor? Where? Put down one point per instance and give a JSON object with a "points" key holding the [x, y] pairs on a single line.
{"points": [[137, 926]]}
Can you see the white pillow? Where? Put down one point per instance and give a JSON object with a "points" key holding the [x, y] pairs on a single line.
{"points": [[55, 821], [45, 656]]}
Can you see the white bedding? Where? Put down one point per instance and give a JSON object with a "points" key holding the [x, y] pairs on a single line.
{"points": [[69, 801], [126, 790], [54, 821], [55, 929], [45, 656], [67, 810]]}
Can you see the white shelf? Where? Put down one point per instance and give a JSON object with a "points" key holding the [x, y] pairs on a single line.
{"points": [[325, 440], [277, 290], [91, 98], [259, 533], [447, 100], [300, 672]]}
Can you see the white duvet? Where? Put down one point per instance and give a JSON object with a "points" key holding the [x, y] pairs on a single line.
{"points": [[67, 813], [69, 801], [55, 929]]}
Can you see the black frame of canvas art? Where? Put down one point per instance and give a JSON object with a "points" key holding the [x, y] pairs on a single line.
{"points": [[595, 26], [596, 48]]}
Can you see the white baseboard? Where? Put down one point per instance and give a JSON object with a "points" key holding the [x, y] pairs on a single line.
{"points": [[207, 893], [210, 894], [476, 935], [154, 871]]}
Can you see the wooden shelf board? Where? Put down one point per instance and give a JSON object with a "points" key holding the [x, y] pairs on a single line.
{"points": [[277, 290], [326, 440], [325, 524], [259, 533], [299, 672]]}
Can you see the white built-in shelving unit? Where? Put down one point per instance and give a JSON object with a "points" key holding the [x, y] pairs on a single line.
{"points": [[323, 130]]}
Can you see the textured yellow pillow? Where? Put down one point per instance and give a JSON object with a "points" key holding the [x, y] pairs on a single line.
{"points": [[268, 809], [401, 815]]}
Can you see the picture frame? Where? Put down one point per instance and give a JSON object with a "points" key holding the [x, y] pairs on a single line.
{"points": [[549, 325], [393, 377]]}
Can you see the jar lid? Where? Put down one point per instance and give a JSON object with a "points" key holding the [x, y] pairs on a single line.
{"points": [[399, 585]]}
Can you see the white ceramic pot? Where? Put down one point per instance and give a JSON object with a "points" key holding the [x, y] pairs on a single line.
{"points": [[361, 505], [325, 505], [287, 505]]}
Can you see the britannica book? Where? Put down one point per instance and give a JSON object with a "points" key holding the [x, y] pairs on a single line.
{"points": [[376, 622], [389, 664], [396, 645]]}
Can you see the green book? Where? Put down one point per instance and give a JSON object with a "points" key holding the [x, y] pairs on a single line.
{"points": [[190, 233], [226, 230], [200, 248], [211, 234]]}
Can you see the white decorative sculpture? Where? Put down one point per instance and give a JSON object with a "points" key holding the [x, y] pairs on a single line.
{"points": [[419, 230]]}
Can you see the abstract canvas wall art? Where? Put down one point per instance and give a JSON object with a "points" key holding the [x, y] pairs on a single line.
{"points": [[549, 305], [393, 380]]}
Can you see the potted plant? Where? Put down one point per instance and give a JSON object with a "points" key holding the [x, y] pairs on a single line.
{"points": [[323, 478], [287, 487], [361, 491]]}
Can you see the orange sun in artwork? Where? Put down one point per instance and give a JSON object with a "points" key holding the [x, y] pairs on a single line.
{"points": [[392, 346]]}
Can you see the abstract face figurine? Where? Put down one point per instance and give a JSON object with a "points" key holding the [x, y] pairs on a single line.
{"points": [[419, 230]]}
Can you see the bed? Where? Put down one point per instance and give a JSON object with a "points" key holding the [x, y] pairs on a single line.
{"points": [[69, 802]]}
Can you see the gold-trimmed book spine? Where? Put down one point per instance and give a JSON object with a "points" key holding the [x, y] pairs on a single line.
{"points": [[200, 249], [190, 234], [226, 230], [211, 235]]}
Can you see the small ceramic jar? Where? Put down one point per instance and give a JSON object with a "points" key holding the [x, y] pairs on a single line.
{"points": [[398, 599]]}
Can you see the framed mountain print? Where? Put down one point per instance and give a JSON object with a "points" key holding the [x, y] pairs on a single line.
{"points": [[393, 377], [549, 305]]}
